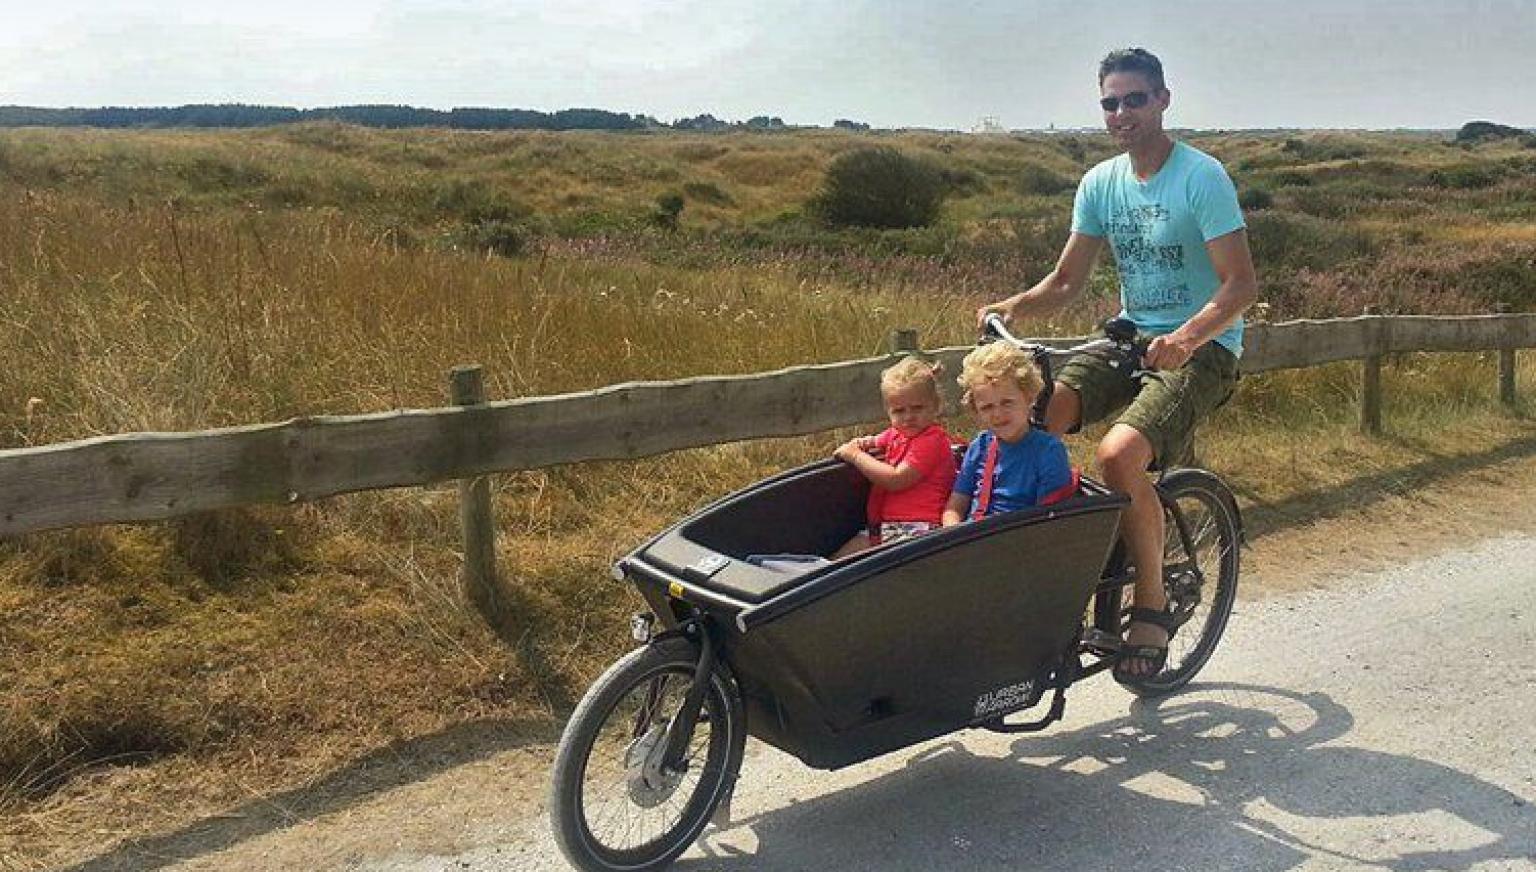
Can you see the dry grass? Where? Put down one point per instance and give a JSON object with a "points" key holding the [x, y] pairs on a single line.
{"points": [[159, 673]]}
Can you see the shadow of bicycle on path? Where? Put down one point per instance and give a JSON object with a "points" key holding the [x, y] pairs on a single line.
{"points": [[1224, 776]]}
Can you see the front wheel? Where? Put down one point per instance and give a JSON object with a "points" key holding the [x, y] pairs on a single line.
{"points": [[613, 806], [1200, 565]]}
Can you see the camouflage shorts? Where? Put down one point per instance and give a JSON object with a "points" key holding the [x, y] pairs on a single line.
{"points": [[1165, 406]]}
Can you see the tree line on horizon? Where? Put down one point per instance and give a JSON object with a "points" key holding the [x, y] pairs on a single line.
{"points": [[389, 116]]}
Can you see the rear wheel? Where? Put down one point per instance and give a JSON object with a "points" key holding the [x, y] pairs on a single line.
{"points": [[612, 804], [1200, 567]]}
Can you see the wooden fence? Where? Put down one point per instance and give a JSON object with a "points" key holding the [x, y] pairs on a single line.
{"points": [[154, 476]]}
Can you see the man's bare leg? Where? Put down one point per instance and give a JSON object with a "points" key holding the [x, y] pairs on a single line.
{"points": [[1123, 456]]}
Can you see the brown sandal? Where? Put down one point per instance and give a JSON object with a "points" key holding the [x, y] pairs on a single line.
{"points": [[1155, 655]]}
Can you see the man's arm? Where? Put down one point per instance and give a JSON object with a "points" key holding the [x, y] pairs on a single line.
{"points": [[1059, 286], [1238, 290]]}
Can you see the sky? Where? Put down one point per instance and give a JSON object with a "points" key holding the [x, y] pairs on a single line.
{"points": [[889, 63]]}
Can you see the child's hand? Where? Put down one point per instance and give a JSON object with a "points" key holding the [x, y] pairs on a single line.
{"points": [[870, 445], [847, 450]]}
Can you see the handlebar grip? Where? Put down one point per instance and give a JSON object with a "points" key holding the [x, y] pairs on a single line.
{"points": [[994, 327]]}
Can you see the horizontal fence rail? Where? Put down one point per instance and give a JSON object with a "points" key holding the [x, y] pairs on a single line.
{"points": [[155, 476]]}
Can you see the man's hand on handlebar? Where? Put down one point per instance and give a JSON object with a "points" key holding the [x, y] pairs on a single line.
{"points": [[1003, 310], [1167, 352]]}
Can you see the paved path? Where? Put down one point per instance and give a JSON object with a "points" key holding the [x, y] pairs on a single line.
{"points": [[1387, 724]]}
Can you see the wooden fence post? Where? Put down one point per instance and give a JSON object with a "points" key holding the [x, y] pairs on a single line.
{"points": [[478, 577], [1370, 383], [1506, 367], [903, 340]]}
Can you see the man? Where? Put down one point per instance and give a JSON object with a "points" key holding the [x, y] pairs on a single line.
{"points": [[1170, 213]]}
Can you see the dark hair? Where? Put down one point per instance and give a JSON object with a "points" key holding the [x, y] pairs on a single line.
{"points": [[1133, 60]]}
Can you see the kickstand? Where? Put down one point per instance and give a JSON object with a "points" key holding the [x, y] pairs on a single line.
{"points": [[722, 816], [1058, 708]]}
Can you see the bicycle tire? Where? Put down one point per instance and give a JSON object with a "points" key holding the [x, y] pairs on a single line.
{"points": [[655, 670]]}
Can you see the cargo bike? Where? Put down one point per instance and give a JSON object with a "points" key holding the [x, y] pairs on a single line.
{"points": [[960, 628]]}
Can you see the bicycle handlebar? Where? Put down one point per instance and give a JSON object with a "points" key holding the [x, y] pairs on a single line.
{"points": [[1120, 336]]}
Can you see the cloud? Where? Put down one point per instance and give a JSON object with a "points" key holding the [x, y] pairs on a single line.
{"points": [[890, 62]]}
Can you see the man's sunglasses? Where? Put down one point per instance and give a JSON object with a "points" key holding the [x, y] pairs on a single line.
{"points": [[1133, 100]]}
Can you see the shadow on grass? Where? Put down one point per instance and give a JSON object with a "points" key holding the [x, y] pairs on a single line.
{"points": [[1263, 516], [398, 765]]}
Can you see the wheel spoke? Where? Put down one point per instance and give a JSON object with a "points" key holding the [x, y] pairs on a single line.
{"points": [[614, 817]]}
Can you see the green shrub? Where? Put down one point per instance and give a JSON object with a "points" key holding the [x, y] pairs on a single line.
{"points": [[495, 236], [707, 192], [1255, 198], [1316, 149], [1074, 148], [397, 232], [206, 172], [1329, 201], [1037, 180], [794, 231], [1465, 177], [1478, 131], [476, 201], [1283, 240], [595, 222], [879, 187], [669, 207], [1290, 179], [962, 181]]}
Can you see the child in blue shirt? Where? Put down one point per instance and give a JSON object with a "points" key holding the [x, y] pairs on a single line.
{"points": [[1010, 465]]}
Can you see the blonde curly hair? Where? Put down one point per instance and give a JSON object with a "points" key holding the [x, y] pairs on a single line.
{"points": [[912, 372], [995, 363]]}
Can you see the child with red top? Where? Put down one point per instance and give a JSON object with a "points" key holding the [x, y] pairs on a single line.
{"points": [[910, 466]]}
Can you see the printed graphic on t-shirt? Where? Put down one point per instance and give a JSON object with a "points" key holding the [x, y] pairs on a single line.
{"points": [[1143, 262], [1145, 299]]}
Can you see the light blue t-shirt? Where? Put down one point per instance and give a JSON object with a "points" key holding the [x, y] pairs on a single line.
{"points": [[1027, 471], [1158, 229]]}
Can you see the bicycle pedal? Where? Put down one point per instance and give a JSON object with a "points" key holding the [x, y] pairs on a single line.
{"points": [[1097, 641]]}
